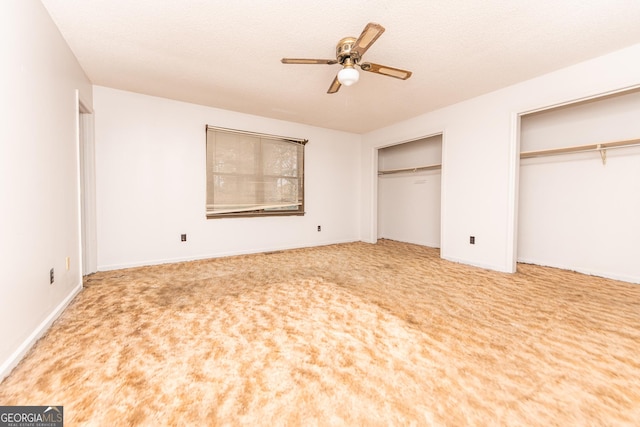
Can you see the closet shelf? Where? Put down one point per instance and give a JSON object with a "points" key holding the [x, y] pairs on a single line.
{"points": [[416, 169], [602, 147]]}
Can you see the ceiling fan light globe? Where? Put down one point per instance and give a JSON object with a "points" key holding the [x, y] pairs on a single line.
{"points": [[348, 76]]}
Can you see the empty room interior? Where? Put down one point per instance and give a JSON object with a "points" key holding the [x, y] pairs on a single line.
{"points": [[321, 213]]}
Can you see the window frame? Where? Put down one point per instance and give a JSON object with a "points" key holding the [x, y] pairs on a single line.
{"points": [[263, 212]]}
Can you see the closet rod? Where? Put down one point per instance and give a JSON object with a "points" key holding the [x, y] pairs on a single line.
{"points": [[416, 169], [581, 148]]}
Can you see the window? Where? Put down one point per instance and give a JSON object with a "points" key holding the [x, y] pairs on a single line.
{"points": [[251, 174]]}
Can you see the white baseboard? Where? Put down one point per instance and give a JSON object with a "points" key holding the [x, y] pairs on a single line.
{"points": [[109, 267], [588, 271], [7, 366], [494, 267]]}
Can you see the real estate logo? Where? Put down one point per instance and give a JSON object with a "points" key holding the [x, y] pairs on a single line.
{"points": [[31, 416]]}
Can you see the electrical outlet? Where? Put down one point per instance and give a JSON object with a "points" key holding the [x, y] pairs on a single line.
{"points": [[51, 276], [319, 228], [472, 240], [183, 237]]}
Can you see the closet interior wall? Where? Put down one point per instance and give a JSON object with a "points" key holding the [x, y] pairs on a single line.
{"points": [[409, 182], [579, 211]]}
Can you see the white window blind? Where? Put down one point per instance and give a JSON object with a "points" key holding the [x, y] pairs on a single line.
{"points": [[251, 174]]}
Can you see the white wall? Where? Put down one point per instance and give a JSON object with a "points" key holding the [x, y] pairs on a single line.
{"points": [[409, 202], [39, 219], [481, 156], [576, 213], [151, 182]]}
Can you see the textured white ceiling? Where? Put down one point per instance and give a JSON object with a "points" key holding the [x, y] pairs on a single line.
{"points": [[226, 54]]}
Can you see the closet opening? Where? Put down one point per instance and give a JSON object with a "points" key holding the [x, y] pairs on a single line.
{"points": [[579, 180], [409, 191]]}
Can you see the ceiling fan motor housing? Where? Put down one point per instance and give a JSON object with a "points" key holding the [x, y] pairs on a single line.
{"points": [[343, 50]]}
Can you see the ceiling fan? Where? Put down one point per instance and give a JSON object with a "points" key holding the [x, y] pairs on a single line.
{"points": [[349, 52]]}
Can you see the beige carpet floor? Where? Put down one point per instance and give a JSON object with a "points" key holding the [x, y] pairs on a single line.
{"points": [[352, 334]]}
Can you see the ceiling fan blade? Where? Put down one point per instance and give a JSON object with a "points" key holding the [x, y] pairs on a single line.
{"points": [[308, 61], [335, 86], [368, 36], [384, 70]]}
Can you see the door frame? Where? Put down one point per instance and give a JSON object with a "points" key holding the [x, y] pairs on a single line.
{"points": [[86, 187]]}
